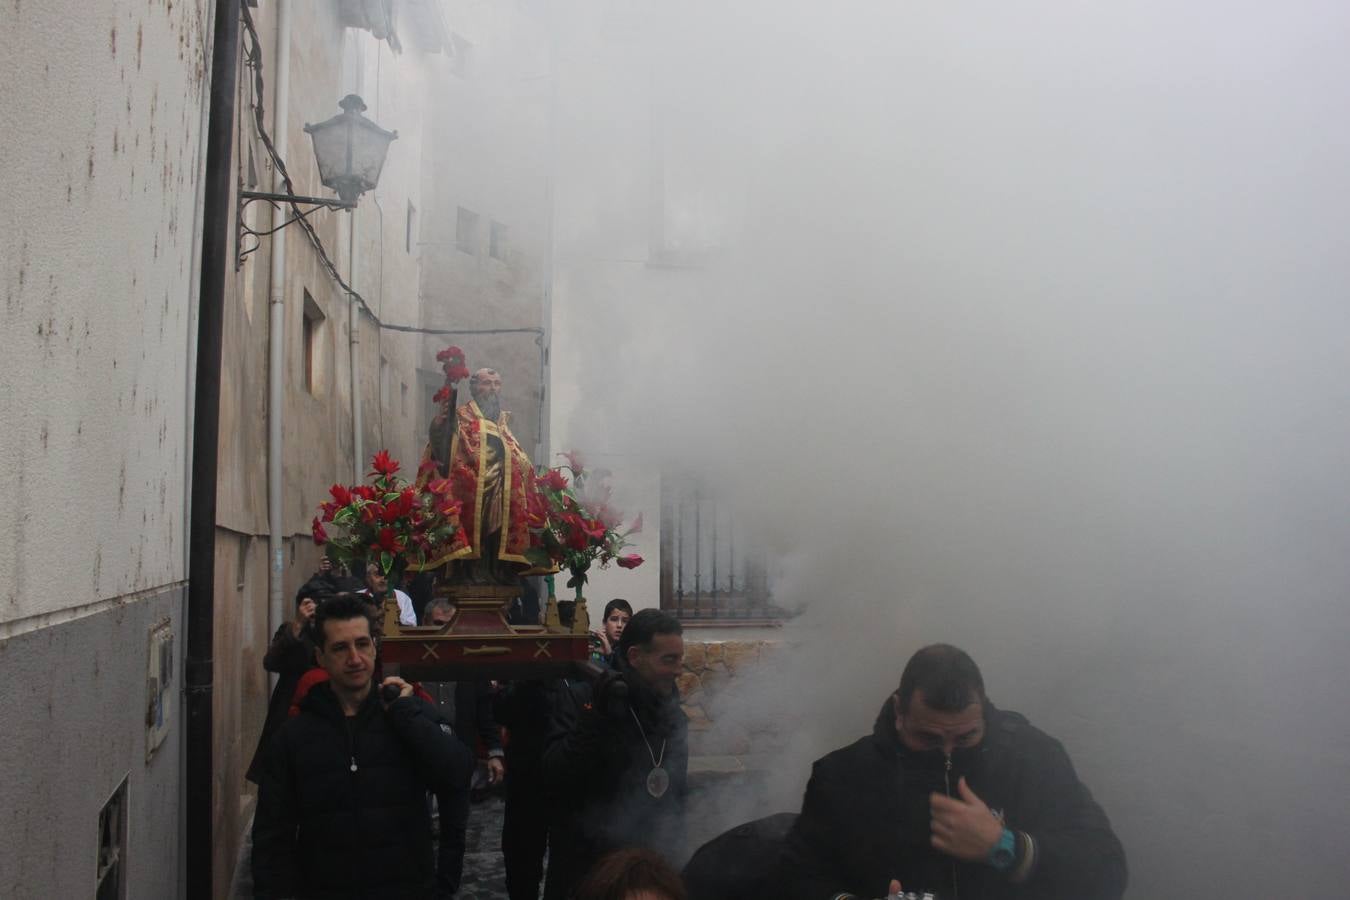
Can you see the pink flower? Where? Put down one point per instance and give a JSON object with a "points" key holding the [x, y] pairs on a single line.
{"points": [[631, 561]]}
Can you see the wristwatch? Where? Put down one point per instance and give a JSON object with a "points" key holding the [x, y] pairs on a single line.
{"points": [[1003, 854]]}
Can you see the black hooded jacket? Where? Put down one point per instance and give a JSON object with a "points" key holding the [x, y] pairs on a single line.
{"points": [[865, 820], [342, 807], [597, 763]]}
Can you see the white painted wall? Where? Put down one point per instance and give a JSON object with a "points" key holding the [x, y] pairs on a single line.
{"points": [[100, 133]]}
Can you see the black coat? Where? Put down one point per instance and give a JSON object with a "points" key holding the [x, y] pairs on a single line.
{"points": [[597, 764], [865, 817], [342, 807], [289, 657]]}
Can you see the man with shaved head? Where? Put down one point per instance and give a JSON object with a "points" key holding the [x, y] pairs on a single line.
{"points": [[954, 797]]}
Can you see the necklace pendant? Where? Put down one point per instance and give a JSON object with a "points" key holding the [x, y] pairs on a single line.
{"points": [[658, 782]]}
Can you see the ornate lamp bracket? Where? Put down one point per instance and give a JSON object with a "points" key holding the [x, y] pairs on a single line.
{"points": [[251, 238]]}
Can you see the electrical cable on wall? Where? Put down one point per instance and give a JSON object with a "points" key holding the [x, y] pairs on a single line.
{"points": [[253, 60]]}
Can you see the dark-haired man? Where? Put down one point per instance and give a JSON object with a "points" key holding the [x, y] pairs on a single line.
{"points": [[617, 755], [951, 796], [342, 809]]}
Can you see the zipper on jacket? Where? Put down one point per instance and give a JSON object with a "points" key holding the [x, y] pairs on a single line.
{"points": [[351, 745], [947, 778]]}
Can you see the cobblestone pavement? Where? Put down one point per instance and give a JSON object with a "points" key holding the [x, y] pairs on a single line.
{"points": [[483, 876]]}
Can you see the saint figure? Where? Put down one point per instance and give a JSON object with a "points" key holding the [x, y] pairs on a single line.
{"points": [[490, 475]]}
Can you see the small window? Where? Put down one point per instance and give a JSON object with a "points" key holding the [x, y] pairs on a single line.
{"points": [[410, 235], [466, 230], [313, 334], [497, 241], [110, 878]]}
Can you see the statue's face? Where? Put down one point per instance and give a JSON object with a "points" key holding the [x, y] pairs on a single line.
{"points": [[486, 383]]}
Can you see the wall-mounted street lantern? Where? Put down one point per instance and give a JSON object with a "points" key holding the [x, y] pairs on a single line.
{"points": [[350, 150]]}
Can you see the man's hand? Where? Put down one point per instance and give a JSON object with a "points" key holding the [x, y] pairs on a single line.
{"points": [[963, 826], [496, 770], [404, 689], [604, 641]]}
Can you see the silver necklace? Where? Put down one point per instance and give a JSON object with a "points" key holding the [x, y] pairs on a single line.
{"points": [[658, 779]]}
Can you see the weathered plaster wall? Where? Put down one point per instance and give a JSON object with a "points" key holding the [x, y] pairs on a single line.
{"points": [[73, 700], [100, 133]]}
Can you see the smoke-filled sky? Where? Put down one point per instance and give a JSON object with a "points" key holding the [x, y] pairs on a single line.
{"points": [[1022, 326]]}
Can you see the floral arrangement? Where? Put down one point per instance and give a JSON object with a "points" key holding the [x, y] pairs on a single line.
{"points": [[452, 364], [574, 525], [388, 521]]}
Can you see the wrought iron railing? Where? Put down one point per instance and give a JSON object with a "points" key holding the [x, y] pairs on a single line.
{"points": [[709, 569]]}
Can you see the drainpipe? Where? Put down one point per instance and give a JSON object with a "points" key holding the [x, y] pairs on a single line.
{"points": [[218, 218], [354, 317], [353, 349], [276, 357]]}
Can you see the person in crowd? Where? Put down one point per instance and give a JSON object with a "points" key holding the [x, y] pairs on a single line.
{"points": [[617, 613], [466, 704], [289, 656], [342, 808], [378, 588], [617, 755], [632, 874], [523, 710], [951, 796], [739, 863]]}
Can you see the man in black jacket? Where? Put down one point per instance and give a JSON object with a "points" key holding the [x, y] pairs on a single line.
{"points": [[954, 797], [342, 807], [617, 755]]}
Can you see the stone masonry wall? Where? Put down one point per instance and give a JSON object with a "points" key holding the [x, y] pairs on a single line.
{"points": [[713, 672]]}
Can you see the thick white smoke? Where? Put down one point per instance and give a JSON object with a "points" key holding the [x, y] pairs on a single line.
{"points": [[1018, 326]]}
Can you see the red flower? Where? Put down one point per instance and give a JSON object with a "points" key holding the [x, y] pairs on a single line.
{"points": [[383, 464], [439, 486], [595, 530], [341, 496], [577, 539], [449, 353], [441, 396], [329, 510], [316, 528], [372, 512], [554, 480], [450, 508], [364, 491], [631, 561], [386, 539], [455, 373]]}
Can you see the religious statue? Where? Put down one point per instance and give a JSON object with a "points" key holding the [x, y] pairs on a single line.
{"points": [[488, 474]]}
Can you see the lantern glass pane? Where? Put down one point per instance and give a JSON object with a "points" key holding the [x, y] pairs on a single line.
{"points": [[330, 149], [369, 148]]}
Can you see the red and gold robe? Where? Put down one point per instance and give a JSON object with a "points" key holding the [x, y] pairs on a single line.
{"points": [[491, 487]]}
